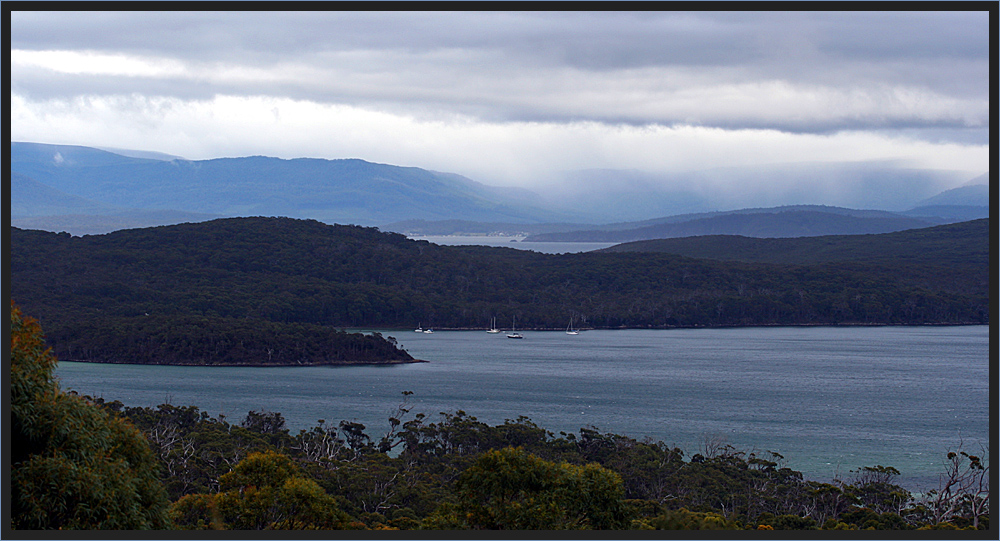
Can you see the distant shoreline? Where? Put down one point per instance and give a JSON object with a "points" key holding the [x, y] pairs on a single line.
{"points": [[668, 328], [253, 365]]}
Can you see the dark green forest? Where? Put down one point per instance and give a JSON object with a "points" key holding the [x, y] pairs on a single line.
{"points": [[790, 222], [958, 245], [246, 290]]}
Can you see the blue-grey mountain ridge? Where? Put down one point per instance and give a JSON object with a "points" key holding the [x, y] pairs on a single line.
{"points": [[85, 190]]}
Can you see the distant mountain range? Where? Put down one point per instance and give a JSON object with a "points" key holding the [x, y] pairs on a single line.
{"points": [[85, 190], [28, 197], [968, 195], [34, 205], [967, 202], [612, 195], [346, 191]]}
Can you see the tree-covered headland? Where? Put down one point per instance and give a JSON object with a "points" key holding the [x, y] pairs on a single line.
{"points": [[276, 290]]}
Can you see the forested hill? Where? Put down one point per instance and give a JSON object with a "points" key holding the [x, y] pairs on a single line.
{"points": [[766, 223], [964, 243], [247, 288]]}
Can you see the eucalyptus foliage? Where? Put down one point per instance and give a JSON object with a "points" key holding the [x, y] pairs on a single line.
{"points": [[73, 465]]}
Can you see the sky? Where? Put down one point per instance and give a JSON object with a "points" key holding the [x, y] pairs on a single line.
{"points": [[512, 98]]}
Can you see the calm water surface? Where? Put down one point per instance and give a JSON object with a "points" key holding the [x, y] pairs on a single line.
{"points": [[515, 242], [829, 399]]}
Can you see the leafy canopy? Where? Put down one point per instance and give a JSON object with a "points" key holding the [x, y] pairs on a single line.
{"points": [[73, 465]]}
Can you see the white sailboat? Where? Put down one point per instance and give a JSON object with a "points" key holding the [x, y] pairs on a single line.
{"points": [[418, 329], [513, 333], [493, 328], [569, 328]]}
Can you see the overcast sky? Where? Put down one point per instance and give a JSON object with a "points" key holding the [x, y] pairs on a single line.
{"points": [[511, 98]]}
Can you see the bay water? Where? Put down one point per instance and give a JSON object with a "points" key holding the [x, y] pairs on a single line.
{"points": [[515, 242], [829, 399]]}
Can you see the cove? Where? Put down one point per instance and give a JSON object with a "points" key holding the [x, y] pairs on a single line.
{"points": [[830, 399]]}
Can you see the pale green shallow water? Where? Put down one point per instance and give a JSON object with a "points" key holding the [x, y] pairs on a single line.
{"points": [[829, 399]]}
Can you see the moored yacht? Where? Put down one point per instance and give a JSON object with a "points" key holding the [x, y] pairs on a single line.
{"points": [[513, 333], [569, 328]]}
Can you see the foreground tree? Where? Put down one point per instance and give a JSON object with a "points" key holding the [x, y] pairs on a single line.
{"points": [[963, 493], [512, 489], [265, 491], [73, 465], [682, 519], [873, 488]]}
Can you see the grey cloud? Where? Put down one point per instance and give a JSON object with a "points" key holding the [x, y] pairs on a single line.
{"points": [[582, 39], [942, 135], [528, 66], [497, 107], [41, 85], [907, 35]]}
